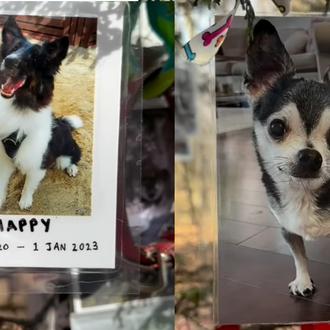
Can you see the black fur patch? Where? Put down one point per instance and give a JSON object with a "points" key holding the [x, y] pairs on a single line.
{"points": [[267, 58], [61, 144], [328, 138], [323, 196], [274, 99], [310, 97], [266, 178], [12, 143]]}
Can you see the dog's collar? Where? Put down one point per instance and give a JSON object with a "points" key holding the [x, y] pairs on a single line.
{"points": [[12, 143]]}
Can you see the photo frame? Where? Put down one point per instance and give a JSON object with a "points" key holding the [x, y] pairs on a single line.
{"points": [[255, 259], [73, 241]]}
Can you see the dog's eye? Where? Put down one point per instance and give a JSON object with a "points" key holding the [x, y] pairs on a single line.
{"points": [[277, 129]]}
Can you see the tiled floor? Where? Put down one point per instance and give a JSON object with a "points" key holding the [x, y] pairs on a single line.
{"points": [[256, 265]]}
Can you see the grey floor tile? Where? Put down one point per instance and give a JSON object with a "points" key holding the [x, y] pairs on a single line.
{"points": [[270, 239], [249, 197], [236, 232], [319, 250], [250, 277], [243, 304], [259, 215]]}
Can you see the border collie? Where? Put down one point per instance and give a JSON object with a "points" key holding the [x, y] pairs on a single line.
{"points": [[31, 139], [292, 142]]}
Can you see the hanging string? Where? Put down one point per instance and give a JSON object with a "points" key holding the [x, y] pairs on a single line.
{"points": [[249, 16]]}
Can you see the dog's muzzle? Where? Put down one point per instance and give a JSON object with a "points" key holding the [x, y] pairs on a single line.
{"points": [[308, 164]]}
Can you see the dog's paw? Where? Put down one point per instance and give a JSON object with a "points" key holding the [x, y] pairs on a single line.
{"points": [[303, 287], [72, 170], [63, 162], [25, 202]]}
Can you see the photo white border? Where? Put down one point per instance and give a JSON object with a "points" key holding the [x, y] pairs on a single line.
{"points": [[101, 225]]}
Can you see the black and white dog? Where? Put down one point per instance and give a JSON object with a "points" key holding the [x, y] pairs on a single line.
{"points": [[292, 141], [31, 139]]}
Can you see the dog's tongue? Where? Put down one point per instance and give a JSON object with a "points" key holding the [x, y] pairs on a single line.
{"points": [[10, 87]]}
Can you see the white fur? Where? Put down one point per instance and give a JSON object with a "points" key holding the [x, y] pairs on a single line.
{"points": [[75, 121], [72, 170], [302, 282], [28, 159], [7, 169], [298, 214], [32, 180], [37, 127], [63, 162]]}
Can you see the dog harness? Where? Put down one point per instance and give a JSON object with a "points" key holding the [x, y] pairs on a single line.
{"points": [[12, 143]]}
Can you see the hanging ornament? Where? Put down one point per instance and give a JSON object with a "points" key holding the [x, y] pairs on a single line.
{"points": [[203, 47], [249, 16]]}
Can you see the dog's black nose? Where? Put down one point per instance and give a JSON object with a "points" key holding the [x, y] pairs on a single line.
{"points": [[11, 62], [309, 160]]}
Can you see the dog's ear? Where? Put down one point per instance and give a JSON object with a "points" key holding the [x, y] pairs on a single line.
{"points": [[11, 32], [267, 59], [57, 50]]}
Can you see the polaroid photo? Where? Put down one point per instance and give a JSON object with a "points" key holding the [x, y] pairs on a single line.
{"points": [[274, 172], [60, 77]]}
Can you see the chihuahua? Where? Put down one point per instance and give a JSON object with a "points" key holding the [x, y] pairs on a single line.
{"points": [[292, 141]]}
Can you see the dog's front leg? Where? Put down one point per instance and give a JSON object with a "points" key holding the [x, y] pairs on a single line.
{"points": [[29, 161], [302, 285], [31, 184], [6, 170]]}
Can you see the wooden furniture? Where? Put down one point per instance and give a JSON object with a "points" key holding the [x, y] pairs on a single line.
{"points": [[80, 30]]}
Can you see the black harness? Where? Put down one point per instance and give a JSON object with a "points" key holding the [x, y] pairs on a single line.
{"points": [[12, 143]]}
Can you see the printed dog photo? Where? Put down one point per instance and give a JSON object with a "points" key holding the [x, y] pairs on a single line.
{"points": [[46, 111], [274, 172]]}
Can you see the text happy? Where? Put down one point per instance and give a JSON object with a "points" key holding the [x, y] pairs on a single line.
{"points": [[23, 225]]}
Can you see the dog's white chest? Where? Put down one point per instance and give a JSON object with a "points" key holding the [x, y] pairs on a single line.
{"points": [[26, 121], [299, 215]]}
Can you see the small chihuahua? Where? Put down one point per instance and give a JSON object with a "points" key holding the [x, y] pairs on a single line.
{"points": [[292, 141]]}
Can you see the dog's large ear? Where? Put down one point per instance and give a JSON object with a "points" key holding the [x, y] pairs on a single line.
{"points": [[11, 32], [267, 59], [57, 50]]}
